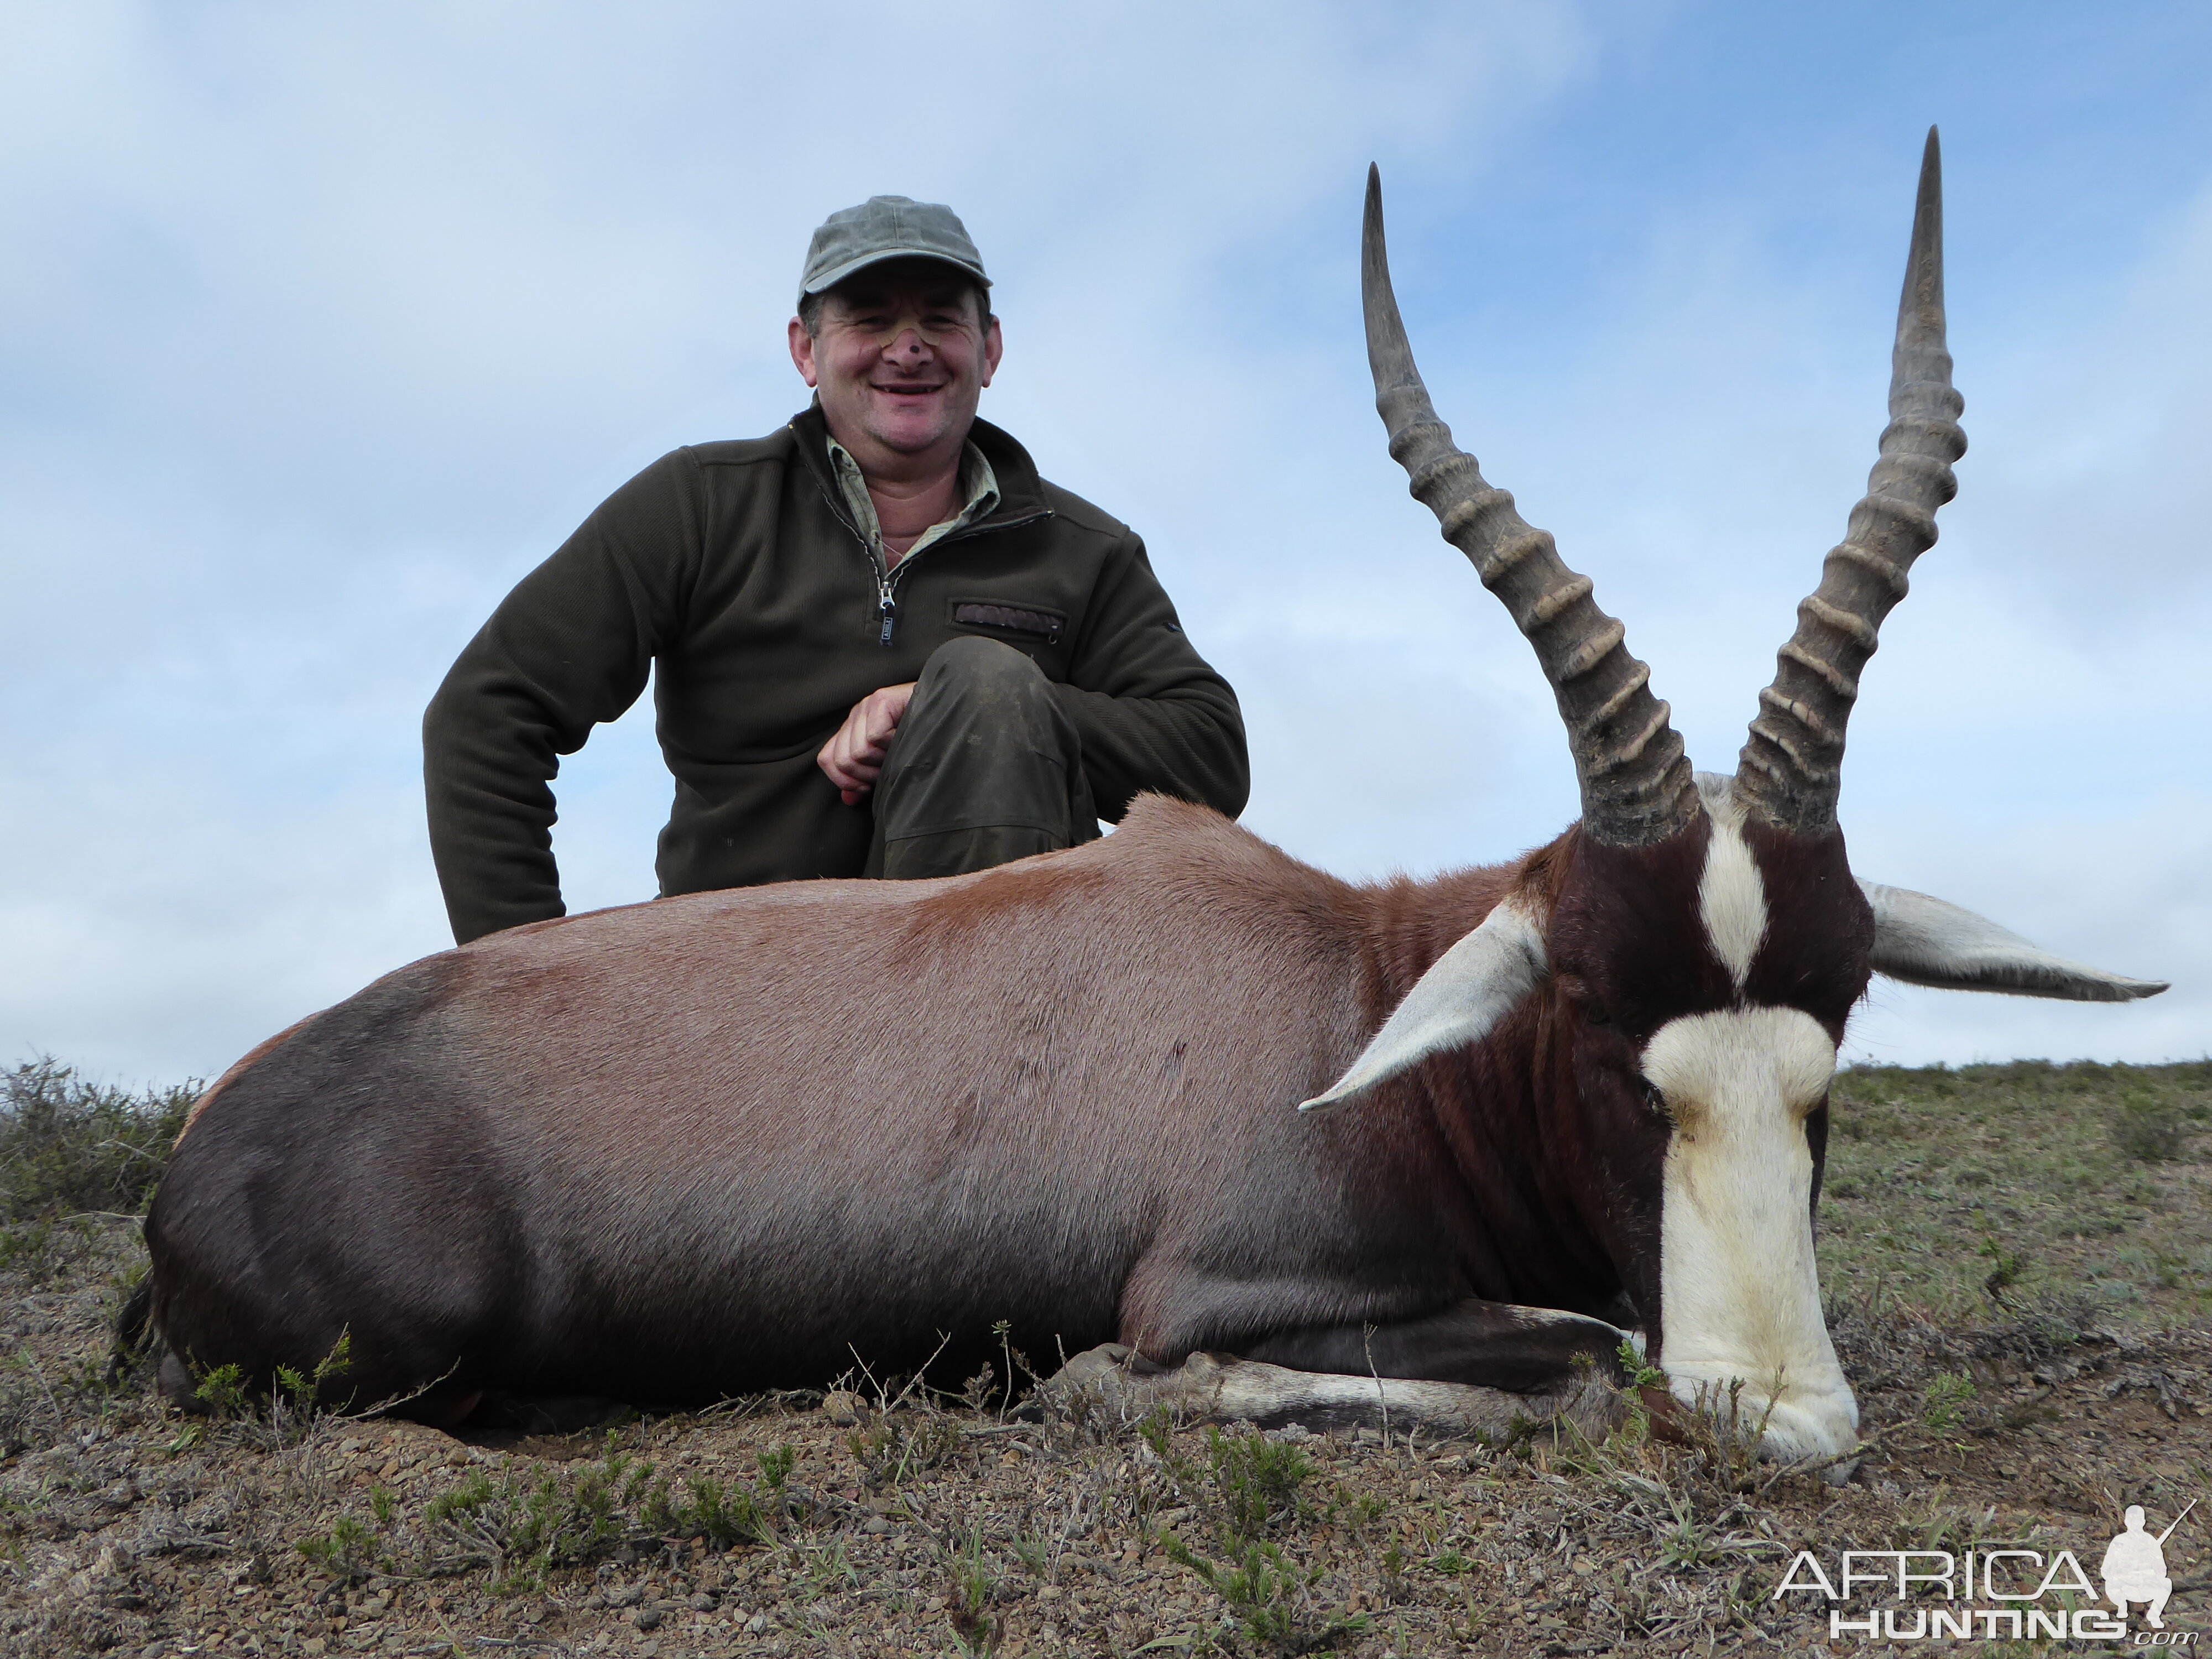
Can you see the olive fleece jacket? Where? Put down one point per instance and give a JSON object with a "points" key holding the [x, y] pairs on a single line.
{"points": [[736, 569]]}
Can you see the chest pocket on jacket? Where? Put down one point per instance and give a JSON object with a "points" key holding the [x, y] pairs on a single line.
{"points": [[1016, 625]]}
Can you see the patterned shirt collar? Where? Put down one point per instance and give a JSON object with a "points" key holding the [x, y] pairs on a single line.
{"points": [[979, 485]]}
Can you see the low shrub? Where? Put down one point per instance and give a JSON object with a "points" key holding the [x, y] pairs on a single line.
{"points": [[69, 1146], [2146, 1127]]}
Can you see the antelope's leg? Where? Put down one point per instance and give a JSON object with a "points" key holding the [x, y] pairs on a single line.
{"points": [[1488, 1345], [1482, 1368]]}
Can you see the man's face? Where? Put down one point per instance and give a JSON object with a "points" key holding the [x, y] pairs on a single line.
{"points": [[901, 360]]}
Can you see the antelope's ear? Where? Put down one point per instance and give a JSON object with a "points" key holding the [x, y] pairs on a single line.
{"points": [[1925, 941], [1471, 986]]}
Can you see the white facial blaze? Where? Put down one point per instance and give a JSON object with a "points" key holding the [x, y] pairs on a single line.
{"points": [[1739, 1297], [1731, 896]]}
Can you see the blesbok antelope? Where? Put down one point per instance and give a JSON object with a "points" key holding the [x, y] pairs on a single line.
{"points": [[730, 1140]]}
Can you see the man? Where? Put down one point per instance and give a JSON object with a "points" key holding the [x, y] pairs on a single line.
{"points": [[2135, 1568], [885, 645]]}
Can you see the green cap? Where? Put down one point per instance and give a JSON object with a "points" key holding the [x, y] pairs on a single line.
{"points": [[887, 228]]}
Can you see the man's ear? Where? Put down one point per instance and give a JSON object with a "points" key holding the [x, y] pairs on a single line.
{"points": [[802, 352], [994, 348]]}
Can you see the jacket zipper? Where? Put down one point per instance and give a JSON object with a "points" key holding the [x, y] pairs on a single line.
{"points": [[886, 603], [887, 581]]}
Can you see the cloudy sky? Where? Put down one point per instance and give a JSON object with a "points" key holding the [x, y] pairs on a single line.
{"points": [[320, 325]]}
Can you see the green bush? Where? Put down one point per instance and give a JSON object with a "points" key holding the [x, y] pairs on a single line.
{"points": [[347, 1552], [721, 1513], [1251, 1483], [1271, 1596], [1944, 1401], [524, 1525], [69, 1146], [2146, 1127], [1258, 1480]]}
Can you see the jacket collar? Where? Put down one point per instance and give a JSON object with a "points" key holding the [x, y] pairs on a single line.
{"points": [[1021, 492]]}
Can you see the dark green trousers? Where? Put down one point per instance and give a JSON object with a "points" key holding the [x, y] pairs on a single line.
{"points": [[984, 769]]}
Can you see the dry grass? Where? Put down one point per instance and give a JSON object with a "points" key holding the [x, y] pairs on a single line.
{"points": [[923, 1526], [1965, 1193]]}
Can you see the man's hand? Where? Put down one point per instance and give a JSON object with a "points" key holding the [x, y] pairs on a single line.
{"points": [[853, 759]]}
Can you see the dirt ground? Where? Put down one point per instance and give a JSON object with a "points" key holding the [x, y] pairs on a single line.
{"points": [[864, 1524]]}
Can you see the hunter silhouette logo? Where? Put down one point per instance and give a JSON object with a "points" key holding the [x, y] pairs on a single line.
{"points": [[2134, 1567], [2001, 1593]]}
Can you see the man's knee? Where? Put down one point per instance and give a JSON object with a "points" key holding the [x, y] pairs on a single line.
{"points": [[981, 690], [973, 667], [985, 766]]}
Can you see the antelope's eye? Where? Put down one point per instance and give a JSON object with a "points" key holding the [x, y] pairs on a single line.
{"points": [[1585, 1004], [1654, 1097]]}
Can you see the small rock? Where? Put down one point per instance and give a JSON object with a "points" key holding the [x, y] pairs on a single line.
{"points": [[625, 1596], [702, 1603], [646, 1618], [842, 1407], [756, 1624], [876, 1524]]}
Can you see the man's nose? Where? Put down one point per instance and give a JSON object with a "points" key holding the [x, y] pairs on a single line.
{"points": [[908, 343]]}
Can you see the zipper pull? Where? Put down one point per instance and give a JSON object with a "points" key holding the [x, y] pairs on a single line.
{"points": [[887, 607]]}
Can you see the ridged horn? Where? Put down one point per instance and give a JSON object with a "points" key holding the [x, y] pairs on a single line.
{"points": [[1790, 773], [1635, 782]]}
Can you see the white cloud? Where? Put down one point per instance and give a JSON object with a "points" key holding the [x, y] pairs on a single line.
{"points": [[318, 326]]}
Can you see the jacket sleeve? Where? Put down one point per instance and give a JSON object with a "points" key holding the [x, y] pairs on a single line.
{"points": [[572, 645], [1152, 713]]}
